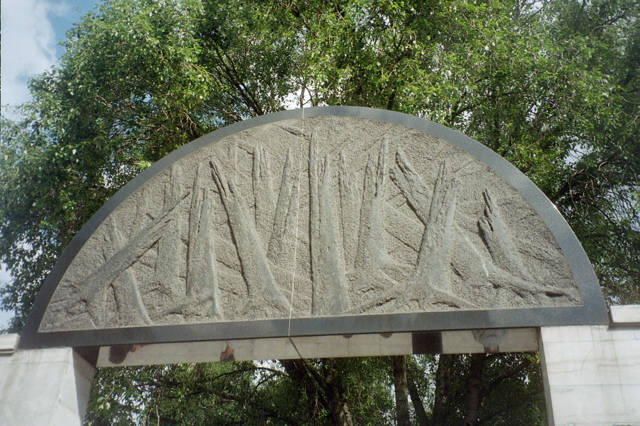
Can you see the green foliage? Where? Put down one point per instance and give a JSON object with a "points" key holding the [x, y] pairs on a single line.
{"points": [[551, 87], [554, 87], [236, 393], [367, 385], [510, 389]]}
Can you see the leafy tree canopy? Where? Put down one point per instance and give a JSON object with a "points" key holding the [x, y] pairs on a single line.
{"points": [[553, 86]]}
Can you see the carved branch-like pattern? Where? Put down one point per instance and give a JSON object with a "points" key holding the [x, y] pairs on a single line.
{"points": [[330, 290], [350, 268], [261, 285], [93, 293]]}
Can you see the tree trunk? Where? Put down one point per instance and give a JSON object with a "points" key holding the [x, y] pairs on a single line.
{"points": [[327, 382], [474, 389], [335, 396], [442, 398], [305, 384], [402, 390], [421, 414]]}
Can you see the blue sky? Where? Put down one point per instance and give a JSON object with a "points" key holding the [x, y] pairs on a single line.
{"points": [[31, 33]]}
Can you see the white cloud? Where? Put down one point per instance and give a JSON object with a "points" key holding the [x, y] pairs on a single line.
{"points": [[28, 45], [28, 49]]}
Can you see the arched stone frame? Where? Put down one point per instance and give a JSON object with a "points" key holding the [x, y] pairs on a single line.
{"points": [[591, 310]]}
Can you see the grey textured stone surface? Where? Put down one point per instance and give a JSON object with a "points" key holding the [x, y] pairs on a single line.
{"points": [[317, 217]]}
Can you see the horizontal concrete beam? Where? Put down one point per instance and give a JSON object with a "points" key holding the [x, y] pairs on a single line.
{"points": [[626, 314], [449, 342]]}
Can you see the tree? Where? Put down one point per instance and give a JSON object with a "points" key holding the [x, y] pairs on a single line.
{"points": [[288, 392], [552, 86]]}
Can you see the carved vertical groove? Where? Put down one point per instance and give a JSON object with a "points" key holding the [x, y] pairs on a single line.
{"points": [[314, 226], [285, 208], [371, 250], [170, 250], [262, 191], [433, 259], [330, 288], [202, 279], [261, 285], [350, 214], [497, 239]]}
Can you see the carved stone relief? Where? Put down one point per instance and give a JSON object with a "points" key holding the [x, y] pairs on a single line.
{"points": [[317, 217]]}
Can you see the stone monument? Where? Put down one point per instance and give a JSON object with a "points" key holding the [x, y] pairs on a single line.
{"points": [[325, 232], [341, 220]]}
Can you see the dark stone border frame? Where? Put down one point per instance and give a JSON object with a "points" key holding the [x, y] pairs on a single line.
{"points": [[594, 310]]}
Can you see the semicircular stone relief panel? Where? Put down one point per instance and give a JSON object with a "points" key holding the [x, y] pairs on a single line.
{"points": [[306, 218]]}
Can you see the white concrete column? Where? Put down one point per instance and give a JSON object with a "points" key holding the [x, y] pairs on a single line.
{"points": [[592, 373], [42, 386]]}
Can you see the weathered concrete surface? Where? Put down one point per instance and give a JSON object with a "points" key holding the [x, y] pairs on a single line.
{"points": [[592, 372], [42, 386], [337, 346], [321, 217]]}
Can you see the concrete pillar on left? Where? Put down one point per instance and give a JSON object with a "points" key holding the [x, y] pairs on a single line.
{"points": [[42, 386]]}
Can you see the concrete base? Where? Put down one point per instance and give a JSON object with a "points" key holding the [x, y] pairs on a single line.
{"points": [[42, 386], [592, 373]]}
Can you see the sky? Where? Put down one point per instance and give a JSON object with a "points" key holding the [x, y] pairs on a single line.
{"points": [[31, 33]]}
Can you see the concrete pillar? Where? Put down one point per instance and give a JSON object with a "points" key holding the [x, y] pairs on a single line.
{"points": [[592, 373], [42, 386]]}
